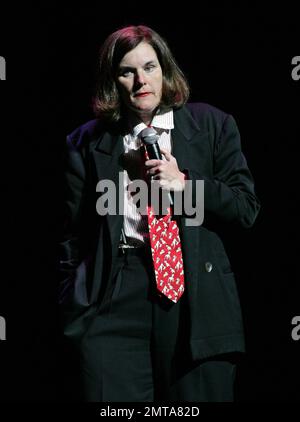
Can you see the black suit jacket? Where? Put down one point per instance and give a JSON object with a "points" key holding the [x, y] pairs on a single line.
{"points": [[206, 143]]}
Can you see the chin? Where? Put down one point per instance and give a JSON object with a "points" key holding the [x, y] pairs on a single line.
{"points": [[146, 109]]}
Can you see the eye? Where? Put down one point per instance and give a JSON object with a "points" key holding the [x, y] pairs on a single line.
{"points": [[126, 72], [150, 67]]}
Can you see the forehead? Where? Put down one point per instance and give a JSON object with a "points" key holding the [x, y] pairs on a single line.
{"points": [[141, 54]]}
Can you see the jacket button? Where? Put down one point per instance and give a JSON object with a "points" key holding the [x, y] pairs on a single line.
{"points": [[208, 266]]}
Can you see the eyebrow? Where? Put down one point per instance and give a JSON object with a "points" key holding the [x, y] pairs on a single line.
{"points": [[123, 67]]}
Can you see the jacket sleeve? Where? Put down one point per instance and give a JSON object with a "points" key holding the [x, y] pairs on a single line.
{"points": [[70, 247], [229, 195]]}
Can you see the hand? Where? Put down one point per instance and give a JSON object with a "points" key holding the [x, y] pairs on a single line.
{"points": [[166, 172]]}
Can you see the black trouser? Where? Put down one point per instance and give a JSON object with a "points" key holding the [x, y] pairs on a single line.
{"points": [[137, 347]]}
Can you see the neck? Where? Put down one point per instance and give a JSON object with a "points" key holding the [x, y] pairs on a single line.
{"points": [[146, 118], [142, 117]]}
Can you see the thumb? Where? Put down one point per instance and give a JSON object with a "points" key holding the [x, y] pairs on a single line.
{"points": [[166, 154]]}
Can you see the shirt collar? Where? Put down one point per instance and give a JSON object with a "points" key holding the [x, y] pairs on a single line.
{"points": [[163, 121], [159, 121]]}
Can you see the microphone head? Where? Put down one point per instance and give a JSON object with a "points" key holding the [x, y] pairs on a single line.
{"points": [[149, 136]]}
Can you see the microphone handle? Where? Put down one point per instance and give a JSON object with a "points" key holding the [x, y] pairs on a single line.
{"points": [[155, 154]]}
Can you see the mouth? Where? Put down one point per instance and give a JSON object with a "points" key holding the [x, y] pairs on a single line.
{"points": [[142, 94]]}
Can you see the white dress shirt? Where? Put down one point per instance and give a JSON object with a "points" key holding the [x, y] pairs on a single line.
{"points": [[135, 224]]}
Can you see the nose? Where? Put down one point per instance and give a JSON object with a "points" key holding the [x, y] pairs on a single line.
{"points": [[140, 78]]}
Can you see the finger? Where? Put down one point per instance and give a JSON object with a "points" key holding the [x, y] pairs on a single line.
{"points": [[153, 170], [151, 163], [166, 153]]}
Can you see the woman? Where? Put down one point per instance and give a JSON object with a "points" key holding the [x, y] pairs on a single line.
{"points": [[135, 343]]}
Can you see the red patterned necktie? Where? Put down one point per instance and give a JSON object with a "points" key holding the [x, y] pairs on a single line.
{"points": [[166, 253]]}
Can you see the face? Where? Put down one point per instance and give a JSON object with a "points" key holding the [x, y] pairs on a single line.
{"points": [[140, 81]]}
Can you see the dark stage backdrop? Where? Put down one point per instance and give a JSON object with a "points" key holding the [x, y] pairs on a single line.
{"points": [[237, 57]]}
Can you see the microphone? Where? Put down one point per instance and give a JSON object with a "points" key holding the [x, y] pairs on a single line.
{"points": [[149, 137]]}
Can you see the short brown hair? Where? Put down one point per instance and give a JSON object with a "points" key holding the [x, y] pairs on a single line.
{"points": [[107, 102]]}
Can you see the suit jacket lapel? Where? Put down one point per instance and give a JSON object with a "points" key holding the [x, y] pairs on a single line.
{"points": [[107, 154], [186, 129]]}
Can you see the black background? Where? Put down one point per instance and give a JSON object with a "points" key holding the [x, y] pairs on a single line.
{"points": [[236, 57]]}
